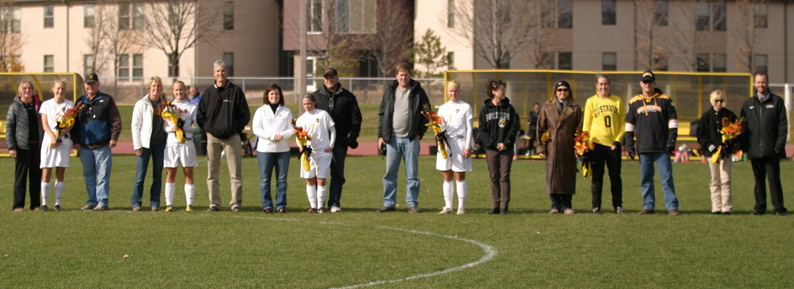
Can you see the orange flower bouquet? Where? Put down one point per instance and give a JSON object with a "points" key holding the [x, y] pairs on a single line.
{"points": [[66, 120], [583, 146], [303, 138], [172, 113], [434, 122], [730, 130]]}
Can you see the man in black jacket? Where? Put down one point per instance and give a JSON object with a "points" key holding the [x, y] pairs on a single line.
{"points": [[764, 140], [223, 114], [342, 105], [400, 127]]}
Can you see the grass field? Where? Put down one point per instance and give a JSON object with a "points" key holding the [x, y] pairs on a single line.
{"points": [[526, 249]]}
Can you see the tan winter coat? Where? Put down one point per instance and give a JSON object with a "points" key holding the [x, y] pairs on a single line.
{"points": [[560, 157]]}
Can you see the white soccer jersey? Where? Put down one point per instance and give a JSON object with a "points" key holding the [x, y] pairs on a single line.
{"points": [[58, 156], [187, 114], [319, 125], [458, 117]]}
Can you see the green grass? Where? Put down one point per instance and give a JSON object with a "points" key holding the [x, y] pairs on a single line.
{"points": [[72, 248]]}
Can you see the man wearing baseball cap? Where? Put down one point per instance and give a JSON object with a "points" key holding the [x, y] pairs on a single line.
{"points": [[97, 128], [342, 105], [652, 119]]}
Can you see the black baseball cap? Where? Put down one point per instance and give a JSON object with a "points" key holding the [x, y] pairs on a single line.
{"points": [[648, 77], [330, 71], [91, 78]]}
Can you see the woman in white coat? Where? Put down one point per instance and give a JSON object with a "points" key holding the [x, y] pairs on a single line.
{"points": [[273, 128], [149, 143]]}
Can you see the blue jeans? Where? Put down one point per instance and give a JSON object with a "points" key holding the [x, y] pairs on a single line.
{"points": [[406, 149], [97, 163], [156, 152], [337, 173], [266, 163], [665, 167]]}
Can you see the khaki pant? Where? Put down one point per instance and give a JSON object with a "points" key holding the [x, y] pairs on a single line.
{"points": [[233, 148], [721, 185]]}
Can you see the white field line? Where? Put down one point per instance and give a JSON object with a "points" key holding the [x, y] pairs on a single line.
{"points": [[490, 253]]}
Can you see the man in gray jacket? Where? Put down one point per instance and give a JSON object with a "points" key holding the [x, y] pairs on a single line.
{"points": [[401, 126]]}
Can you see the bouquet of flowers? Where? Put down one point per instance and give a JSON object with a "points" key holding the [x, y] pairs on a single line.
{"points": [[66, 120], [730, 130], [303, 138], [434, 122], [172, 113], [583, 146]]}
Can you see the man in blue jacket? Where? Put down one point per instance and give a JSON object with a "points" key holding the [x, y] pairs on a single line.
{"points": [[401, 126], [764, 141], [96, 130]]}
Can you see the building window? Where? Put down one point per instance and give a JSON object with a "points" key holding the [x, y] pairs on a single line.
{"points": [[88, 64], [49, 63], [608, 12], [711, 16], [368, 67], [88, 15], [660, 62], [137, 66], [703, 62], [450, 13], [14, 24], [315, 16], [609, 61], [661, 11], [719, 62], [565, 8], [450, 60], [228, 57], [761, 63], [228, 15], [130, 16], [565, 61], [356, 16], [49, 16], [760, 16], [123, 72]]}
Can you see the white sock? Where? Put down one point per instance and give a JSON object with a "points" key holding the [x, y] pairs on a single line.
{"points": [[321, 192], [59, 191], [170, 188], [449, 191], [190, 191], [463, 191], [45, 192], [311, 192]]}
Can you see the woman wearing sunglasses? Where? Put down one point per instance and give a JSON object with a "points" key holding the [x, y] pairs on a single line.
{"points": [[710, 140], [562, 118]]}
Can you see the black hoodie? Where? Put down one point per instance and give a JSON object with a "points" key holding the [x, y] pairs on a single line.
{"points": [[498, 124]]}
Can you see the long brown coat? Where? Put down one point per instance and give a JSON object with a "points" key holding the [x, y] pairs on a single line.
{"points": [[560, 157]]}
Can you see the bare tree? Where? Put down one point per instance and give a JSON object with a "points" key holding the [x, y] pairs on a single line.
{"points": [[746, 36], [96, 38], [499, 30], [650, 51], [174, 26], [687, 44], [120, 38], [11, 38], [391, 44]]}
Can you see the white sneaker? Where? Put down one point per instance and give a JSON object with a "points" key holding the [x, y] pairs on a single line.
{"points": [[335, 209], [445, 211], [461, 211]]}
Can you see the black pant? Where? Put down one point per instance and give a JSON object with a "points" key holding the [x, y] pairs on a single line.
{"points": [[768, 167], [600, 155], [27, 166], [561, 202], [337, 173]]}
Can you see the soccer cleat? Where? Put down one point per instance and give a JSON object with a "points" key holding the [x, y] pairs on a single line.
{"points": [[43, 208], [169, 208], [189, 208], [445, 211], [57, 207], [312, 211], [461, 211]]}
